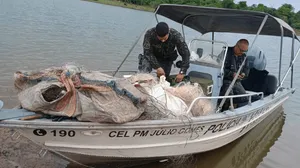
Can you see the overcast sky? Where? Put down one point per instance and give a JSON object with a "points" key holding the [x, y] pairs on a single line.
{"points": [[274, 3]]}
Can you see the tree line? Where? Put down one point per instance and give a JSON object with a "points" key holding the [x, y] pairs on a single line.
{"points": [[286, 12]]}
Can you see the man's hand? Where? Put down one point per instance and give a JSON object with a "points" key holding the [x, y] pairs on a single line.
{"points": [[160, 72], [179, 77], [241, 76]]}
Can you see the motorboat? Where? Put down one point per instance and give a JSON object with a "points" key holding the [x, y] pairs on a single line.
{"points": [[152, 139]]}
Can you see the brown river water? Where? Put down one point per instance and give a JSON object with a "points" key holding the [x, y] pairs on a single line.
{"points": [[37, 34]]}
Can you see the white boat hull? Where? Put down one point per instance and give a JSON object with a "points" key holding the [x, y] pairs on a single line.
{"points": [[147, 139]]}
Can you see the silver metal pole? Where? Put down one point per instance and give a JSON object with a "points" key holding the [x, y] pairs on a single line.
{"points": [[155, 13], [238, 72], [287, 72], [182, 24], [280, 57], [131, 49], [212, 38], [292, 58], [259, 30]]}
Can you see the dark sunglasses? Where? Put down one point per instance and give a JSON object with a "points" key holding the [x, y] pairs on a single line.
{"points": [[243, 51]]}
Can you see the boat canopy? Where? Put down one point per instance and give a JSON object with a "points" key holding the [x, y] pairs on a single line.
{"points": [[208, 19]]}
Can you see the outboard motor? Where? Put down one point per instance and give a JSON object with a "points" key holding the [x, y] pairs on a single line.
{"points": [[256, 58], [259, 79]]}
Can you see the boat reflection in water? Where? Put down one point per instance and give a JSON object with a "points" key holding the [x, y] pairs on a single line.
{"points": [[246, 152]]}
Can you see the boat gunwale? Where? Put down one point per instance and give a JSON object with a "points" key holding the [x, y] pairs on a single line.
{"points": [[217, 117]]}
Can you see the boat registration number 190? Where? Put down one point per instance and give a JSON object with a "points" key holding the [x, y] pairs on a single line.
{"points": [[61, 133]]}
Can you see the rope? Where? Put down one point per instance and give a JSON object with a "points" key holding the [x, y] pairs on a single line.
{"points": [[113, 85]]}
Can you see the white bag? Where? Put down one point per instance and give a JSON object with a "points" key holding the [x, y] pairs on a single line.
{"points": [[171, 102]]}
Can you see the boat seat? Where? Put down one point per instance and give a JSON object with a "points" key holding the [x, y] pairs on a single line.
{"points": [[206, 84], [204, 79], [200, 75], [260, 81]]}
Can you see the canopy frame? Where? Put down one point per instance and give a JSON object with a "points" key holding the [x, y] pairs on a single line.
{"points": [[172, 12]]}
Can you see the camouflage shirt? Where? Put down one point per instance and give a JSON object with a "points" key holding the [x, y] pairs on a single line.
{"points": [[157, 51]]}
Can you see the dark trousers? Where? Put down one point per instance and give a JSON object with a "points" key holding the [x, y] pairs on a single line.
{"points": [[237, 89]]}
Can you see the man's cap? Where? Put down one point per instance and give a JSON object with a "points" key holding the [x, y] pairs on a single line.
{"points": [[162, 29]]}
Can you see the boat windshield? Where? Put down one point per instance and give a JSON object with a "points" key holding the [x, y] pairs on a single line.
{"points": [[207, 52]]}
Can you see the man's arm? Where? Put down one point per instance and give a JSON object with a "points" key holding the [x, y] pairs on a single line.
{"points": [[148, 53], [183, 50]]}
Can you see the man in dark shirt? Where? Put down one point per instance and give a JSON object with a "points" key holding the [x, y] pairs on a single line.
{"points": [[160, 51], [234, 59]]}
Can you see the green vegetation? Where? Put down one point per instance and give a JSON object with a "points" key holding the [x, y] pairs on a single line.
{"points": [[285, 12], [124, 4], [297, 32]]}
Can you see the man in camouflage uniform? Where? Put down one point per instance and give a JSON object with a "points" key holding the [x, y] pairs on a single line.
{"points": [[159, 46], [234, 59]]}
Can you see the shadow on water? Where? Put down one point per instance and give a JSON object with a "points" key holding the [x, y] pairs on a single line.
{"points": [[246, 152]]}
